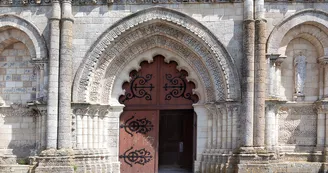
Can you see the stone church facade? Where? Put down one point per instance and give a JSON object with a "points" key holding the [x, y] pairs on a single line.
{"points": [[259, 71]]}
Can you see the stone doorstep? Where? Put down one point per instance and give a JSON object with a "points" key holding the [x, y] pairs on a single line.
{"points": [[15, 168], [5, 152]]}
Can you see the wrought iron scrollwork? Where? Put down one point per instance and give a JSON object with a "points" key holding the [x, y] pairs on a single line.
{"points": [[140, 157], [177, 86], [138, 87], [138, 126]]}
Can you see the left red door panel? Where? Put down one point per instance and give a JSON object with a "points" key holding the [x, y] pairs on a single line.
{"points": [[138, 141]]}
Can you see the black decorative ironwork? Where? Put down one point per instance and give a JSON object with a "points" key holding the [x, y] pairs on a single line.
{"points": [[177, 86], [138, 87], [140, 157], [138, 126]]}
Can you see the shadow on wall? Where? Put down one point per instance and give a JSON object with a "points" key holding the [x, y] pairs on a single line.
{"points": [[19, 136], [297, 128]]}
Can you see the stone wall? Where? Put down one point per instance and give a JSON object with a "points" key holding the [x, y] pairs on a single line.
{"points": [[17, 76], [19, 134]]}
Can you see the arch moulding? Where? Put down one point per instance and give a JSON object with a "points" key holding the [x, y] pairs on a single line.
{"points": [[207, 61], [314, 17], [38, 48]]}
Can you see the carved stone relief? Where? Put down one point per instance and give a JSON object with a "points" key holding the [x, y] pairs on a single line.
{"points": [[300, 73], [297, 125]]}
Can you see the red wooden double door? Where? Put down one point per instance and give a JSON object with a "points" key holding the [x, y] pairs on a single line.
{"points": [[157, 124]]}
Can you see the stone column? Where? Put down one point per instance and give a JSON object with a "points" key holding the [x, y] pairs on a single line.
{"points": [[90, 130], [235, 114], [278, 62], [229, 127], [260, 74], [201, 134], [270, 124], [219, 128], [101, 132], [321, 79], [52, 106], [95, 132], [79, 128], [212, 126], [321, 130], [209, 108], [224, 127], [324, 62], [65, 76], [113, 137], [85, 131], [248, 73]]}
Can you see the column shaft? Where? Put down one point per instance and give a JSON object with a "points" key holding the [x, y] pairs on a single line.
{"points": [[79, 132], [234, 127], [95, 132], [270, 123], [209, 129], [278, 80], [325, 89], [52, 106], [260, 75], [65, 80], [101, 132], [326, 131], [90, 131], [85, 131], [105, 144], [321, 130], [215, 126], [224, 129], [229, 128], [219, 129], [321, 81], [248, 81]]}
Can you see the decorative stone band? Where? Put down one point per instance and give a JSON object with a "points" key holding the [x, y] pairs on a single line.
{"points": [[18, 110], [105, 2]]}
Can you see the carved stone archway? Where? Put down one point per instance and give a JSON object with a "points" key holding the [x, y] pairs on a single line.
{"points": [[156, 28], [296, 22], [22, 29]]}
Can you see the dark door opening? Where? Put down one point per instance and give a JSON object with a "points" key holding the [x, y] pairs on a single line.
{"points": [[176, 140]]}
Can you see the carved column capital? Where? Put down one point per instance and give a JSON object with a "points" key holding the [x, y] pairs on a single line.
{"points": [[323, 61], [211, 108], [276, 59], [321, 106]]}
